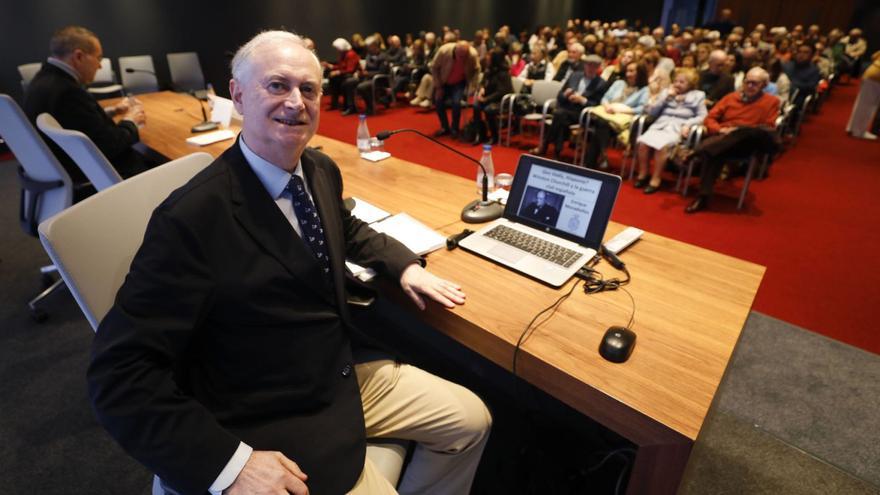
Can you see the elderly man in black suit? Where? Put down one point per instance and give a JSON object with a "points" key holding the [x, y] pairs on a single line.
{"points": [[230, 361], [583, 89], [59, 89]]}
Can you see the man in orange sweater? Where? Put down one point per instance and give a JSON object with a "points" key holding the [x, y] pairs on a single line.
{"points": [[738, 125]]}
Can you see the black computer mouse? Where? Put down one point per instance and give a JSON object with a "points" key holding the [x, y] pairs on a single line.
{"points": [[617, 344]]}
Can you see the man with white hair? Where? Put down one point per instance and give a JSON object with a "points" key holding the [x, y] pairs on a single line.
{"points": [[714, 81], [573, 62], [738, 125], [230, 361]]}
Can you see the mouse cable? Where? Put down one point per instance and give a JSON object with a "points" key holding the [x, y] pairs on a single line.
{"points": [[594, 283], [525, 331]]}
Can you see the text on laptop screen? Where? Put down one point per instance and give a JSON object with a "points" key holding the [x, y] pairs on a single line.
{"points": [[559, 200]]}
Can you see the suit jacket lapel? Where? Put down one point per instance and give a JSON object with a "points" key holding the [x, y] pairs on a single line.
{"points": [[260, 216]]}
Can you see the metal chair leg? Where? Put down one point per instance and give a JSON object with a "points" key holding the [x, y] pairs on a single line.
{"points": [[37, 313], [745, 189]]}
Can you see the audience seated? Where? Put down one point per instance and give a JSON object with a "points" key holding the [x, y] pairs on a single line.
{"points": [[345, 69], [803, 73], [714, 81], [739, 125], [583, 89], [723, 55], [677, 109], [624, 99], [539, 68], [573, 62], [376, 64], [495, 84]]}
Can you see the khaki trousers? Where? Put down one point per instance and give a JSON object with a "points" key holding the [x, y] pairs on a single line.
{"points": [[449, 423]]}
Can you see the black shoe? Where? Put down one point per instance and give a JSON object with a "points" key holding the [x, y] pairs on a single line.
{"points": [[540, 150], [441, 133], [454, 134], [651, 189], [699, 204], [640, 183]]}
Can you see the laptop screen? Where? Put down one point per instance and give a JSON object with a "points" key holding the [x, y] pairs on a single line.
{"points": [[570, 202]]}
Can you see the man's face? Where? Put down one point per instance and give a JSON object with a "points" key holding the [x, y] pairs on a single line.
{"points": [[804, 54], [573, 54], [279, 100], [87, 63], [752, 85], [716, 64], [540, 198], [591, 69]]}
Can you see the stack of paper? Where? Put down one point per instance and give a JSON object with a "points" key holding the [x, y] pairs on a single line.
{"points": [[415, 235], [367, 212]]}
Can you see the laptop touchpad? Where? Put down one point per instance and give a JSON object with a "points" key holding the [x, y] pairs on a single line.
{"points": [[507, 253]]}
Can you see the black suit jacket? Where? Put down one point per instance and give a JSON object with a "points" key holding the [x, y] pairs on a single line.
{"points": [[226, 330], [56, 92], [594, 91]]}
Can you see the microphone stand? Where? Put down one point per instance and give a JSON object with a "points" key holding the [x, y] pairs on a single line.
{"points": [[478, 211], [205, 124]]}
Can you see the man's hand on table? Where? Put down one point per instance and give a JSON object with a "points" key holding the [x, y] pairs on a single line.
{"points": [[415, 280]]}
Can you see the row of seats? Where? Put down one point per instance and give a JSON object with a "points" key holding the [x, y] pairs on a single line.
{"points": [[542, 101], [138, 74]]}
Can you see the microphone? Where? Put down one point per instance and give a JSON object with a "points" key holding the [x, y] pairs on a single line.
{"points": [[478, 211], [205, 124]]}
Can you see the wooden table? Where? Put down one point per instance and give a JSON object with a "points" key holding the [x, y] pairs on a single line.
{"points": [[691, 305]]}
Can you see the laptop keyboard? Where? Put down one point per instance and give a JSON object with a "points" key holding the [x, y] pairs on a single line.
{"points": [[535, 245]]}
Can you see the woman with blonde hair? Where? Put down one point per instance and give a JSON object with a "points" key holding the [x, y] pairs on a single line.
{"points": [[677, 108]]}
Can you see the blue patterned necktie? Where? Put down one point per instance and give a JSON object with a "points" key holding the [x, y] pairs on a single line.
{"points": [[309, 222]]}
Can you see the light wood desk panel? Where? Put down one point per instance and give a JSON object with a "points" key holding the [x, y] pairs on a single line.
{"points": [[691, 305]]}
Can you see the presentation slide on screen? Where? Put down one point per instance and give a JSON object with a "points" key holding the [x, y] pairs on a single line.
{"points": [[571, 196]]}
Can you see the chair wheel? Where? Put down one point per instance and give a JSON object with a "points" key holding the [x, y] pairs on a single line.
{"points": [[39, 315]]}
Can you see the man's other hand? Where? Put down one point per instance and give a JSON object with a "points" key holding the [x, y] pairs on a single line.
{"points": [[415, 280], [269, 472]]}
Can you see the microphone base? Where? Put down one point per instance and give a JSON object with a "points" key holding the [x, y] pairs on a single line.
{"points": [[478, 212], [204, 127]]}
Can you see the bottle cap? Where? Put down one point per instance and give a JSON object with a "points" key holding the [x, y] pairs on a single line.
{"points": [[362, 116], [487, 147]]}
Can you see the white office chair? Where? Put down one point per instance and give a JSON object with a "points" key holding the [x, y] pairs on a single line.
{"points": [[143, 78], [82, 150], [27, 72], [46, 188], [94, 242], [104, 85], [186, 71], [544, 97]]}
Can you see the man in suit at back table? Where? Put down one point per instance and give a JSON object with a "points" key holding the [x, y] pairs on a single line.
{"points": [[75, 55], [230, 360]]}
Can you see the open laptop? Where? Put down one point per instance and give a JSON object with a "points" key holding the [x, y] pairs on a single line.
{"points": [[554, 221]]}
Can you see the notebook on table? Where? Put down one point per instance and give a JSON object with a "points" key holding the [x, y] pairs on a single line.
{"points": [[553, 223]]}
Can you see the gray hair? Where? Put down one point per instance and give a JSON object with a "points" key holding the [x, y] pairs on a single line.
{"points": [[67, 39], [241, 62], [761, 73], [718, 55]]}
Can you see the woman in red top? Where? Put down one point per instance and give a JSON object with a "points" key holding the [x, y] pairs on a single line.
{"points": [[343, 70]]}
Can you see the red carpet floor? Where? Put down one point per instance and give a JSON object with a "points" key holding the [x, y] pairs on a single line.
{"points": [[812, 223]]}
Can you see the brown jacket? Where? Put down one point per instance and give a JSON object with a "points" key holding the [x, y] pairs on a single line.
{"points": [[443, 61]]}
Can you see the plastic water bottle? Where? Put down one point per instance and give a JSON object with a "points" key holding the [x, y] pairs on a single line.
{"points": [[486, 161], [363, 135]]}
